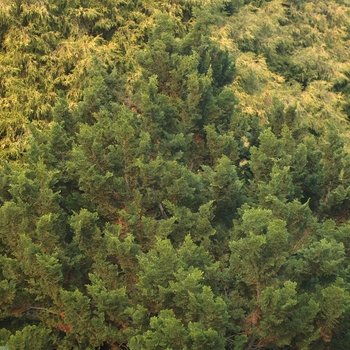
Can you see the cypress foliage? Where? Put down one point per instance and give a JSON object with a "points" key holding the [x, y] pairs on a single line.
{"points": [[173, 177]]}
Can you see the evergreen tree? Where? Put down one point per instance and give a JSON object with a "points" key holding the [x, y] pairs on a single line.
{"points": [[175, 175]]}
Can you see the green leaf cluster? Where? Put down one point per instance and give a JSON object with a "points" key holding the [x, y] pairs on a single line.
{"points": [[175, 175]]}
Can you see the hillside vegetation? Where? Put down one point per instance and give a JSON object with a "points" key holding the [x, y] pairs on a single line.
{"points": [[175, 174]]}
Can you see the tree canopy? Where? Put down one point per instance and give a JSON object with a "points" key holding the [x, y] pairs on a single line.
{"points": [[174, 175]]}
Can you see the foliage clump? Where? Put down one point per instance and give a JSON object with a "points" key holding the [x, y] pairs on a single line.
{"points": [[175, 175]]}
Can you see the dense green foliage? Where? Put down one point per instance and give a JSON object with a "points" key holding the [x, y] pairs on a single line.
{"points": [[175, 174]]}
